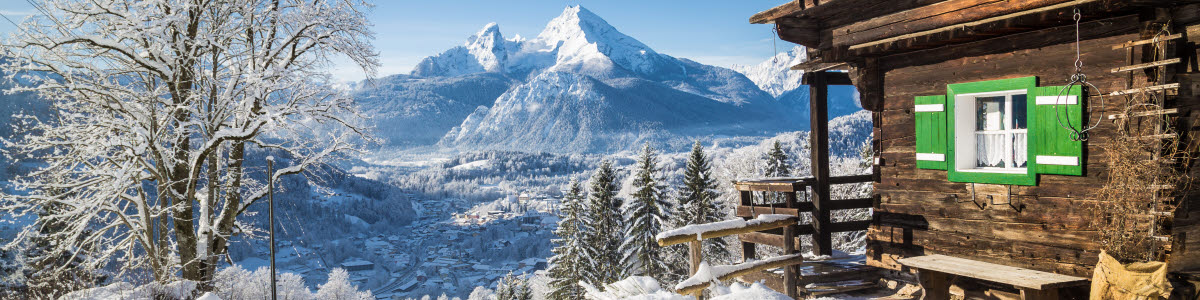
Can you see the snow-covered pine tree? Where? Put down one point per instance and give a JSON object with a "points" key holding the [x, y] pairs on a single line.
{"points": [[698, 204], [777, 162], [604, 232], [778, 165], [647, 213], [568, 265], [512, 287], [504, 288]]}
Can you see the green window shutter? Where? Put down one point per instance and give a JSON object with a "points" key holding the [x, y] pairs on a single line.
{"points": [[1051, 149], [931, 134]]}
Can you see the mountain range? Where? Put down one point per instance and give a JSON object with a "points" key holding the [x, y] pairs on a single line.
{"points": [[582, 86]]}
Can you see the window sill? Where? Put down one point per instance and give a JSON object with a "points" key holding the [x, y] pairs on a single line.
{"points": [[997, 171]]}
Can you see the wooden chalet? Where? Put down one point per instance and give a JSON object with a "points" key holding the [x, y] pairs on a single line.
{"points": [[998, 159]]}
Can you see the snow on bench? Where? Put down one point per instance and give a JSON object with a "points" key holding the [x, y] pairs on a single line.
{"points": [[706, 274], [724, 228]]}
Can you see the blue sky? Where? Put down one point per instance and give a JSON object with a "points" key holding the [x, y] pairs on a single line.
{"points": [[714, 32]]}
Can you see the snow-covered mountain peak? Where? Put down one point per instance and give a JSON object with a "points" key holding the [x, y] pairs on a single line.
{"points": [[489, 47], [579, 24], [490, 34], [577, 41], [775, 75], [585, 41]]}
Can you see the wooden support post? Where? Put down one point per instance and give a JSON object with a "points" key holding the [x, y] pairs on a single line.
{"points": [[1032, 294], [696, 253], [748, 249], [936, 285], [790, 273], [818, 102]]}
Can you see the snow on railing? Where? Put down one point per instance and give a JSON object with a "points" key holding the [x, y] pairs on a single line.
{"points": [[706, 274], [723, 228]]}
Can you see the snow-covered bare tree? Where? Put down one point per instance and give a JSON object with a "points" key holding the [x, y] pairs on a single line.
{"points": [[647, 213], [569, 262], [159, 103], [339, 288]]}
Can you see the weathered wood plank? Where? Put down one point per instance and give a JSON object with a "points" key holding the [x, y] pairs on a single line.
{"points": [[746, 268], [1154, 112], [679, 239], [1147, 41], [1146, 65], [1019, 277], [1153, 88], [931, 17]]}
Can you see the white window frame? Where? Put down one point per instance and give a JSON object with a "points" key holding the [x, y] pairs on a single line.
{"points": [[964, 132]]}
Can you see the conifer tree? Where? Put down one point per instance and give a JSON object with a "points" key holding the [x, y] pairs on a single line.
{"points": [[698, 204], [647, 213], [777, 162], [777, 166], [568, 265], [604, 232], [512, 287]]}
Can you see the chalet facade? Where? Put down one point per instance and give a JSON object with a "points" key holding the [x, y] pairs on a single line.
{"points": [[1022, 133]]}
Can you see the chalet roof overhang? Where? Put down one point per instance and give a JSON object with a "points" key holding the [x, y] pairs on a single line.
{"points": [[840, 31]]}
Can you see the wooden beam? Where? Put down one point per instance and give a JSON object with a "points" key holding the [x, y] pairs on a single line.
{"points": [[1147, 41], [775, 239], [819, 148], [852, 203], [1152, 88], [868, 80], [746, 268], [752, 211], [929, 17], [790, 272], [1045, 17], [769, 16], [831, 78], [1146, 65], [679, 239], [852, 179], [1154, 112]]}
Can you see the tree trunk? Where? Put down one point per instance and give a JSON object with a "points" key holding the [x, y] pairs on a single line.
{"points": [[208, 261], [233, 200]]}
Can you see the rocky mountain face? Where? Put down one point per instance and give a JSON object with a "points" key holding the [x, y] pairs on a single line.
{"points": [[581, 86]]}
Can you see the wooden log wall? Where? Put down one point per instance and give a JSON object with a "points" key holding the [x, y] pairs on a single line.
{"points": [[1047, 227], [1186, 236]]}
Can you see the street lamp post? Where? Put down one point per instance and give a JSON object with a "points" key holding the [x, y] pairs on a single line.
{"points": [[271, 216]]}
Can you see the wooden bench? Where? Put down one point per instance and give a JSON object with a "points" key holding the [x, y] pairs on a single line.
{"points": [[933, 272]]}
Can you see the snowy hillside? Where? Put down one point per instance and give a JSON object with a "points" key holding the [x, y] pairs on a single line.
{"points": [[413, 111], [776, 77]]}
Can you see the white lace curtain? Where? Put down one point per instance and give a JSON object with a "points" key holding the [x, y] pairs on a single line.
{"points": [[1000, 149]]}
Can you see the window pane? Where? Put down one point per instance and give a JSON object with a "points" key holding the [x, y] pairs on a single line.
{"points": [[989, 113], [1018, 111], [989, 150], [1019, 145]]}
